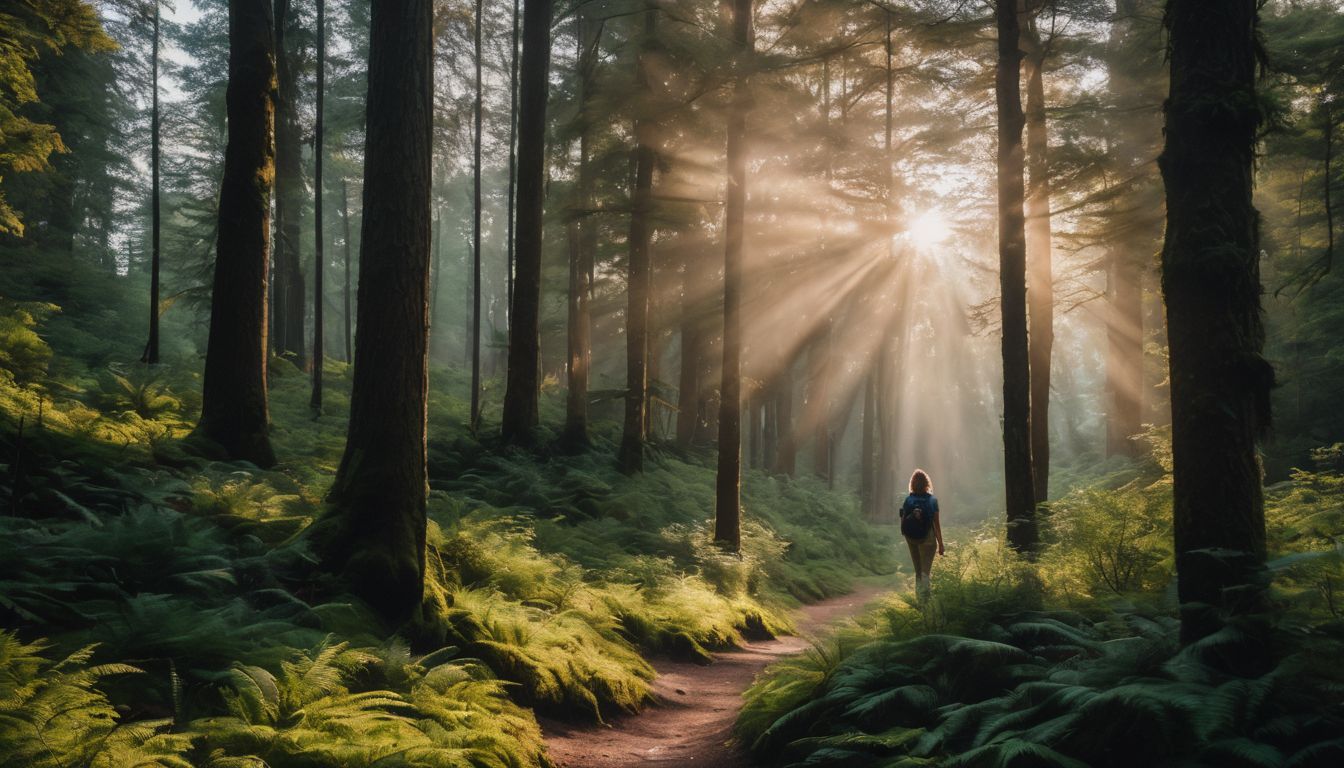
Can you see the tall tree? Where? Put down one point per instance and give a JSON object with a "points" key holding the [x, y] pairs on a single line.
{"points": [[728, 490], [582, 243], [524, 374], [234, 409], [513, 158], [319, 297], [289, 286], [373, 532], [475, 418], [151, 355], [631, 458], [1220, 383], [1040, 278], [1019, 479], [345, 292]]}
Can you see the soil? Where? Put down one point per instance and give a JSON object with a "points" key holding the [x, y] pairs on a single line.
{"points": [[691, 722]]}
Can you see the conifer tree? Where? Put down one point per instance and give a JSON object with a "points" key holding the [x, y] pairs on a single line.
{"points": [[373, 531], [1220, 383], [234, 408]]}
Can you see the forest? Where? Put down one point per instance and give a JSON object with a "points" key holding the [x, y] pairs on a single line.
{"points": [[542, 383]]}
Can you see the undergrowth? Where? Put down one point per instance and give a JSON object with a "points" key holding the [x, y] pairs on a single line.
{"points": [[159, 609], [1074, 660]]}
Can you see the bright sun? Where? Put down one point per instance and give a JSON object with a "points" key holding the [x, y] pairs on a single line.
{"points": [[929, 229]]}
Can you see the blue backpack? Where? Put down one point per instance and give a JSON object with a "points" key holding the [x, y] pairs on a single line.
{"points": [[917, 516]]}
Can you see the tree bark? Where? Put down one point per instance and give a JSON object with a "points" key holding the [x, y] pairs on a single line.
{"points": [[1040, 279], [476, 234], [513, 162], [868, 447], [582, 244], [524, 375], [234, 409], [786, 460], [1220, 383], [631, 457], [728, 491], [373, 532], [819, 401], [692, 340], [345, 299], [1019, 478], [289, 287], [319, 253], [151, 355]]}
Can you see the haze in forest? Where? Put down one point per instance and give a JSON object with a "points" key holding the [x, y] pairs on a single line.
{"points": [[392, 381]]}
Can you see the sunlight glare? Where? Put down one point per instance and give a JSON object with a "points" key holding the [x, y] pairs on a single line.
{"points": [[928, 229]]}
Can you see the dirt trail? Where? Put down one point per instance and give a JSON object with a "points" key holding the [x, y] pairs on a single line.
{"points": [[693, 720]]}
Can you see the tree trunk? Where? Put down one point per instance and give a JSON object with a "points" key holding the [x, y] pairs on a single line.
{"points": [[373, 532], [868, 447], [319, 254], [1040, 279], [151, 355], [631, 457], [234, 410], [728, 491], [582, 244], [579, 341], [476, 236], [524, 375], [1019, 480], [883, 427], [819, 401], [345, 222], [513, 162], [288, 194], [1220, 383], [754, 429], [692, 340], [786, 460]]}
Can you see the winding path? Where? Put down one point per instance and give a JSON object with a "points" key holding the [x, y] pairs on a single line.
{"points": [[693, 720]]}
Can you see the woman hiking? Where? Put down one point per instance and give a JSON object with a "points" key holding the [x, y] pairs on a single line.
{"points": [[922, 528]]}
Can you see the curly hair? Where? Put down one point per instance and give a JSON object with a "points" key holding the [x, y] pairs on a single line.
{"points": [[920, 482]]}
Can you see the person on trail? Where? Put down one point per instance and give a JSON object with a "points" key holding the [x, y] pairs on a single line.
{"points": [[922, 528]]}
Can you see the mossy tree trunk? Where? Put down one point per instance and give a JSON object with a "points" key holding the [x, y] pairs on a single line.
{"points": [[1019, 478], [1220, 383], [234, 408], [373, 532], [524, 374]]}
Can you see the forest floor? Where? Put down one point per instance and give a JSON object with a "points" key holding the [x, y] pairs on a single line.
{"points": [[696, 705]]}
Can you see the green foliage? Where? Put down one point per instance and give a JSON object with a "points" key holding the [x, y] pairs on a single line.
{"points": [[52, 714], [991, 672], [552, 590], [23, 354], [31, 29], [1111, 541], [1046, 689]]}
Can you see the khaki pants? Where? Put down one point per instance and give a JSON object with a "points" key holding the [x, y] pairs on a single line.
{"points": [[922, 552]]}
